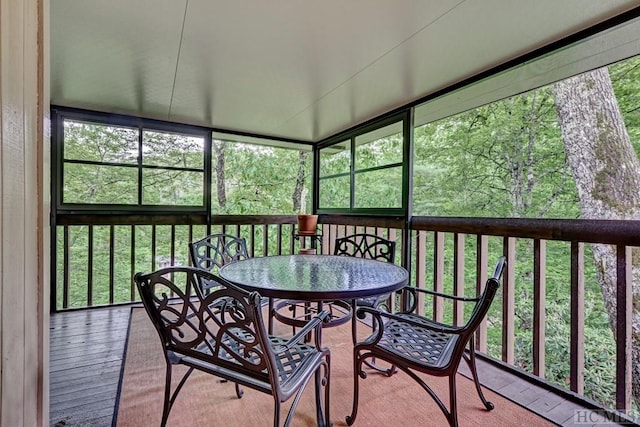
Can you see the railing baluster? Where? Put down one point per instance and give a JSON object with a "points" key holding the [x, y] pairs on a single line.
{"points": [[539, 305], [265, 240], [393, 236], [338, 231], [153, 247], [279, 240], [67, 271], [132, 285], [90, 267], [508, 302], [189, 239], [438, 275], [326, 246], [458, 277], [172, 248], [420, 266], [624, 310], [252, 241], [482, 254], [405, 247], [576, 369], [292, 242], [112, 246]]}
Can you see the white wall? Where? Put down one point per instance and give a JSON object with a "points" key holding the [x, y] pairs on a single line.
{"points": [[24, 207]]}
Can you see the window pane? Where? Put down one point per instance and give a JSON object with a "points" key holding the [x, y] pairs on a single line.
{"points": [[251, 179], [100, 184], [171, 187], [334, 192], [379, 189], [381, 147], [172, 149], [100, 143], [335, 159]]}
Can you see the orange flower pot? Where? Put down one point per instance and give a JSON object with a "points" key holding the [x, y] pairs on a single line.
{"points": [[307, 224]]}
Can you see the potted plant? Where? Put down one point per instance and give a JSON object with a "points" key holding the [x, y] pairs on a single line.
{"points": [[307, 224]]}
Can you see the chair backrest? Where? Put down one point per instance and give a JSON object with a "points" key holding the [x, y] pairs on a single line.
{"points": [[213, 251], [482, 306], [223, 328], [366, 245]]}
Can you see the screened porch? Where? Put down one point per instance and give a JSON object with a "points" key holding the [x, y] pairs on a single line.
{"points": [[440, 150]]}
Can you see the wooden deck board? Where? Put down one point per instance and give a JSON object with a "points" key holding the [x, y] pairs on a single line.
{"points": [[85, 363]]}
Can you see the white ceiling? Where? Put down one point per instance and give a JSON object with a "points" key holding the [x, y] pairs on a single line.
{"points": [[290, 68]]}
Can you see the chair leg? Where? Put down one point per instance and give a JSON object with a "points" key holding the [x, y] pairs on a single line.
{"points": [[471, 362], [354, 322], [296, 400], [453, 404], [327, 379], [357, 372], [168, 401], [166, 407], [276, 414], [354, 336], [323, 418], [239, 391], [270, 330], [386, 371], [318, 388]]}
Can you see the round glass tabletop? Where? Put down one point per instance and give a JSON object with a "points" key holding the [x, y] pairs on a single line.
{"points": [[315, 277]]}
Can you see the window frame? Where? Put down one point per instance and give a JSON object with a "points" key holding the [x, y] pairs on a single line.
{"points": [[405, 118], [60, 114]]}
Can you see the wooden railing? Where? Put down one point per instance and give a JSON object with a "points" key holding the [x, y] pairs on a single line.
{"points": [[623, 235], [96, 256]]}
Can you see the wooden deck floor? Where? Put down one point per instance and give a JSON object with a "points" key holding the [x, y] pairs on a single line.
{"points": [[86, 357]]}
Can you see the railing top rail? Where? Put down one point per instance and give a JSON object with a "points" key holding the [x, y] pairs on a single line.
{"points": [[130, 219], [363, 220], [253, 219], [615, 232]]}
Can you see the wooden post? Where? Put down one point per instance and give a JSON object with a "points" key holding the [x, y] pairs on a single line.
{"points": [[24, 213]]}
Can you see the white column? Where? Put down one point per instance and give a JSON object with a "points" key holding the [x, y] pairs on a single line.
{"points": [[24, 207]]}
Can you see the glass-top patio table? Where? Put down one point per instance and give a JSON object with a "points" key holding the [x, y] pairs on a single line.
{"points": [[315, 278]]}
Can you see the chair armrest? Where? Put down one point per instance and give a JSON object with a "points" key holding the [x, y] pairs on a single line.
{"points": [[439, 294], [378, 316], [414, 291], [314, 323]]}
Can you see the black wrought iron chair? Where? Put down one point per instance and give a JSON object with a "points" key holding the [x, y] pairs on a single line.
{"points": [[215, 250], [417, 344], [222, 333], [368, 246]]}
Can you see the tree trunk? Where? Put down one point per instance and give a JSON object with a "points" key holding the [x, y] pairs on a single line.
{"points": [[219, 147], [298, 191], [607, 176]]}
